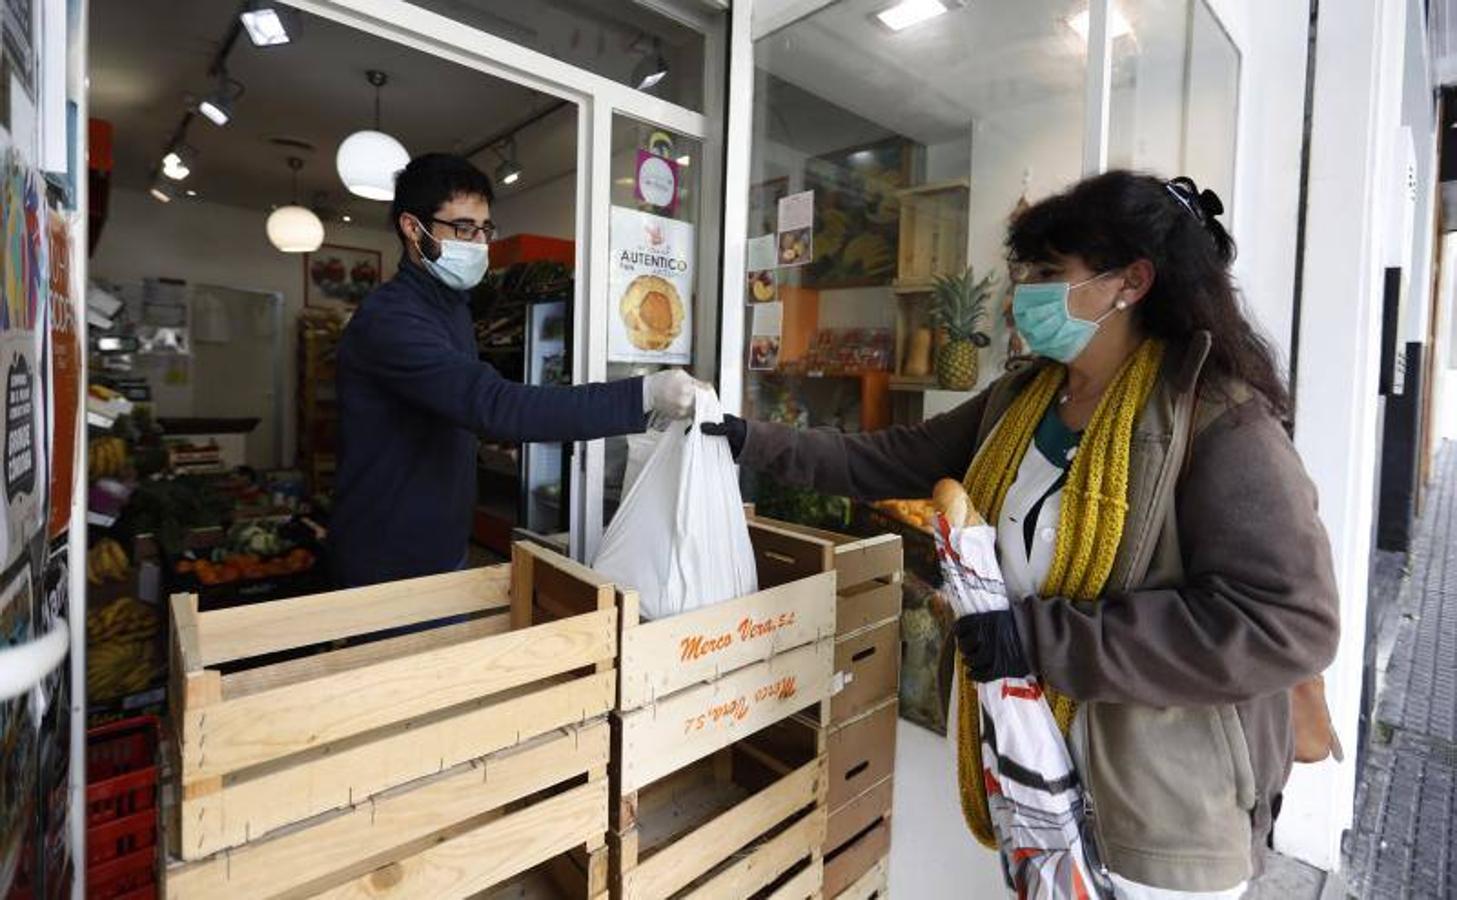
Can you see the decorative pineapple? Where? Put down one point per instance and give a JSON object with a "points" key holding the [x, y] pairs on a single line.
{"points": [[958, 305]]}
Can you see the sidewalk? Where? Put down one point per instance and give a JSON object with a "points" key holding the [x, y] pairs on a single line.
{"points": [[1402, 843]]}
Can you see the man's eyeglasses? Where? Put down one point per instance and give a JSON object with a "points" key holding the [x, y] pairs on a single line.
{"points": [[466, 230]]}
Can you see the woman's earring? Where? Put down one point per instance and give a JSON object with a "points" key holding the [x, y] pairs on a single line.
{"points": [[1121, 304]]}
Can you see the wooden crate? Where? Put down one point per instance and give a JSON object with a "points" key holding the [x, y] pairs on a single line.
{"points": [[434, 763], [697, 810], [933, 224], [873, 885], [868, 570], [861, 736]]}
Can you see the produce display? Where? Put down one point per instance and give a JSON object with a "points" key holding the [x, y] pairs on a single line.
{"points": [[106, 458], [106, 561], [847, 351], [251, 551], [169, 507], [122, 655], [916, 513]]}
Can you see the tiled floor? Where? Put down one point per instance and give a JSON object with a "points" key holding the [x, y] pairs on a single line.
{"points": [[1404, 843]]}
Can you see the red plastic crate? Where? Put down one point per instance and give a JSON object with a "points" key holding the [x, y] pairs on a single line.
{"points": [[121, 809]]}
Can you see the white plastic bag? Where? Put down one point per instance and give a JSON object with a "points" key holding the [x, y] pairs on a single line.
{"points": [[680, 538]]}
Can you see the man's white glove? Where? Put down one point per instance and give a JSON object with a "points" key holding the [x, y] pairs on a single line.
{"points": [[669, 393]]}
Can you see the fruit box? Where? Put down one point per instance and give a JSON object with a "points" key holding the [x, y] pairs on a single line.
{"points": [[441, 761]]}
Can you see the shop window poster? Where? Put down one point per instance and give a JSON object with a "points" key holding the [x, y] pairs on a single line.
{"points": [[17, 731], [53, 604], [25, 282], [857, 214], [651, 285], [64, 381]]}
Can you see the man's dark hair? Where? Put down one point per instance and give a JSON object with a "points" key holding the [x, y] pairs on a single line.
{"points": [[431, 181]]}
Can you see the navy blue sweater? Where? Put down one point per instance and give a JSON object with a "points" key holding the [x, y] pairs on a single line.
{"points": [[414, 398]]}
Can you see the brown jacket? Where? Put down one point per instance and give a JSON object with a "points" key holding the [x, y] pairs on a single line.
{"points": [[1222, 597]]}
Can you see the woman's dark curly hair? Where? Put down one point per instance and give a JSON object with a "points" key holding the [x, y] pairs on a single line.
{"points": [[1114, 219]]}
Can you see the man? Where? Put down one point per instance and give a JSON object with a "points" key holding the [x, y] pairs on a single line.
{"points": [[414, 397]]}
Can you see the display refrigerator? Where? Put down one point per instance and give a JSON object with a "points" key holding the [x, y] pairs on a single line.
{"points": [[544, 466]]}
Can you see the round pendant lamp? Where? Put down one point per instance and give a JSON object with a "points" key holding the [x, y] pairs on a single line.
{"points": [[368, 160], [294, 228]]}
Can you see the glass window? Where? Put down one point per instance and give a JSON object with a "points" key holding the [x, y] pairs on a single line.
{"points": [[917, 144], [617, 39], [1175, 97], [657, 182]]}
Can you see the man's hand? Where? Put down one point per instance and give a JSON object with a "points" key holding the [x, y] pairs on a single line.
{"points": [[733, 428], [669, 393]]}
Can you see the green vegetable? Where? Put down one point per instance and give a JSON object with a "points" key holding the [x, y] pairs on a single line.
{"points": [[168, 508]]}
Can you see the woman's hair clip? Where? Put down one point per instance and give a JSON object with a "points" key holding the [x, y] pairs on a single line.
{"points": [[1202, 205]]}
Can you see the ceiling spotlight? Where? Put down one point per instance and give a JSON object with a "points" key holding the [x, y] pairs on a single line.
{"points": [[651, 69], [684, 160], [347, 218], [191, 192], [216, 109], [509, 171], [368, 160], [161, 192], [218, 106], [264, 25], [174, 164], [910, 12]]}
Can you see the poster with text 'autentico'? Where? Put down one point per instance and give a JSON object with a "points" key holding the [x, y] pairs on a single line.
{"points": [[651, 285]]}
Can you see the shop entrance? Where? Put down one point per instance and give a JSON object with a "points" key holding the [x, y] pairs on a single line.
{"points": [[214, 133]]}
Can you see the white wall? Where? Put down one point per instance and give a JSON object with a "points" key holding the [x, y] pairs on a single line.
{"points": [[549, 209], [1357, 106], [208, 243], [1444, 392], [1272, 38]]}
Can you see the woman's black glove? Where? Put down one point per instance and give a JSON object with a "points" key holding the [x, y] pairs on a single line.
{"points": [[991, 647], [733, 428]]}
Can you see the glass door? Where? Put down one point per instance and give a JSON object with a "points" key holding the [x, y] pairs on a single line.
{"points": [[644, 76]]}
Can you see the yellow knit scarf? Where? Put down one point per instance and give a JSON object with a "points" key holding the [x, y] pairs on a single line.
{"points": [[1090, 526]]}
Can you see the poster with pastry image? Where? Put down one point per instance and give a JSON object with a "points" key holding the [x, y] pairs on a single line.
{"points": [[651, 283]]}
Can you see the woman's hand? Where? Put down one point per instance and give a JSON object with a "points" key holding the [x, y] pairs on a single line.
{"points": [[990, 646], [733, 428]]}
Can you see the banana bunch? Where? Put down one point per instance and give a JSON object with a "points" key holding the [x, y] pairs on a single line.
{"points": [[121, 648], [106, 458], [102, 392], [870, 251], [106, 562], [123, 621]]}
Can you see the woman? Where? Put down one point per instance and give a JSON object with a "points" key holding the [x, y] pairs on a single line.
{"points": [[1158, 537]]}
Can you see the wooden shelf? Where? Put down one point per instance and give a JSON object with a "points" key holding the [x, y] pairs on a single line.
{"points": [[936, 187], [909, 383], [913, 287]]}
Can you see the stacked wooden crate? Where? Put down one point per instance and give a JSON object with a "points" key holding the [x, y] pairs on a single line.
{"points": [[863, 709], [441, 762], [702, 806]]}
